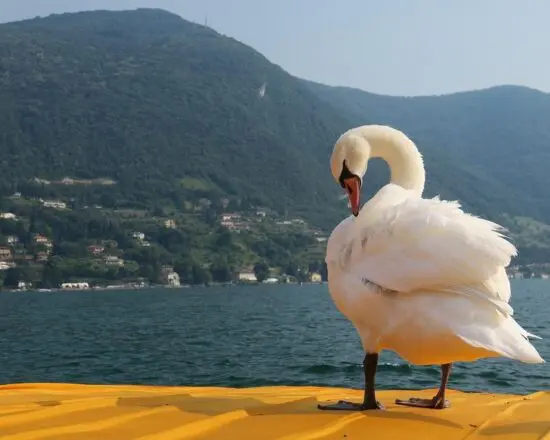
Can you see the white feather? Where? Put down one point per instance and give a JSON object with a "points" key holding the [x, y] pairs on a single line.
{"points": [[425, 279]]}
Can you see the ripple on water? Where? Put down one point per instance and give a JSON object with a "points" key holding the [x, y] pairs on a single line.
{"points": [[273, 335]]}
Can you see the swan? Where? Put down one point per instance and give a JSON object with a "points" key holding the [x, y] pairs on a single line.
{"points": [[417, 276]]}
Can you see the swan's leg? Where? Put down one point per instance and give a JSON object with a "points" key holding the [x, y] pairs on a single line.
{"points": [[438, 402], [369, 400]]}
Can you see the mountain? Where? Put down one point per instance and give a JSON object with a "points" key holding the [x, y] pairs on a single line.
{"points": [[172, 111], [160, 105], [495, 142]]}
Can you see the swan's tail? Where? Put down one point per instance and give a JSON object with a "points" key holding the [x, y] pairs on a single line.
{"points": [[508, 339]]}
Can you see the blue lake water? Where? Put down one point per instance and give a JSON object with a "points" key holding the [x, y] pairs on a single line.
{"points": [[229, 336]]}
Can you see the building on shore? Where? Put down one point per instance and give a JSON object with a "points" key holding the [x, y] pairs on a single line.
{"points": [[75, 286], [169, 277]]}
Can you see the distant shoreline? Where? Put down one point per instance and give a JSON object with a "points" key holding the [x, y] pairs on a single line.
{"points": [[159, 286], [183, 286]]}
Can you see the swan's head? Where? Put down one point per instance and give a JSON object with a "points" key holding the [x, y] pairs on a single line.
{"points": [[348, 164]]}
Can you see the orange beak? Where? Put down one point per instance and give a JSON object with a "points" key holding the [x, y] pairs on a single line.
{"points": [[353, 188]]}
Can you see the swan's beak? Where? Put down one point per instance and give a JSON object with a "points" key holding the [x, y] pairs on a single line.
{"points": [[353, 188]]}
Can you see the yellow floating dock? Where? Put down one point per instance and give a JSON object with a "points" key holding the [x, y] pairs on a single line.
{"points": [[78, 412]]}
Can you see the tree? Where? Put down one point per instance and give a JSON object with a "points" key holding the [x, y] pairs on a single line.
{"points": [[302, 276], [107, 200], [52, 276], [201, 275], [158, 211], [13, 276], [220, 270], [261, 270], [292, 269], [69, 249], [314, 266], [224, 238], [324, 272], [11, 227], [173, 240], [525, 271], [184, 268]]}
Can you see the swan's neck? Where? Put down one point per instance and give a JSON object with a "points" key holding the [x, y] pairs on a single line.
{"points": [[403, 159]]}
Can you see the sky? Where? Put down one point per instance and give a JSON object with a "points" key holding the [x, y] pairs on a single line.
{"points": [[394, 47]]}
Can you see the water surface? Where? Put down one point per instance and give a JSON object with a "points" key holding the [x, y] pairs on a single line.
{"points": [[229, 336]]}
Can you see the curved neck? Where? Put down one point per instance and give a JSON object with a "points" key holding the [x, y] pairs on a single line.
{"points": [[401, 155]]}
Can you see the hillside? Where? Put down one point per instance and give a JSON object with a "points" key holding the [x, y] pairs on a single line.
{"points": [[496, 142], [496, 146], [146, 112], [163, 107]]}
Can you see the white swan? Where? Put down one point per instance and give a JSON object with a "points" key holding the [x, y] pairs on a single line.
{"points": [[417, 276]]}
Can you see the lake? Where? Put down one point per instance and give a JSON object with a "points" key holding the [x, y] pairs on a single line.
{"points": [[229, 336]]}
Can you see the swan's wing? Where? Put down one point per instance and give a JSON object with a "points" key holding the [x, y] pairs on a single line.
{"points": [[405, 243], [337, 240]]}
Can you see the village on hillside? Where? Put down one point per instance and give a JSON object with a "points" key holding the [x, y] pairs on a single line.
{"points": [[136, 247], [23, 245]]}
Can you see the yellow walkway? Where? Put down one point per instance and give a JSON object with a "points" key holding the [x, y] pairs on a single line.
{"points": [[78, 412]]}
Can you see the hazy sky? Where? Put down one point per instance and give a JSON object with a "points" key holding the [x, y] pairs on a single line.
{"points": [[398, 47]]}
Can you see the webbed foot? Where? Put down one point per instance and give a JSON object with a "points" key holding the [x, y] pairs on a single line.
{"points": [[343, 405], [435, 403]]}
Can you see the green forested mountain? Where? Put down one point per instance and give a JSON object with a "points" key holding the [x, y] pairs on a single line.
{"points": [[489, 148], [174, 113], [496, 142], [148, 99]]}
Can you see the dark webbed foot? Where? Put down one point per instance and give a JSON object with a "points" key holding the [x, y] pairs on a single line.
{"points": [[435, 403], [438, 402], [369, 400], [344, 405]]}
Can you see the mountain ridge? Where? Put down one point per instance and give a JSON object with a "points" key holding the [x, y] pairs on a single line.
{"points": [[204, 100], [155, 102], [499, 134], [497, 87]]}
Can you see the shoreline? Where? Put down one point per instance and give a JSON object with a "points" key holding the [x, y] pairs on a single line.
{"points": [[153, 286]]}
